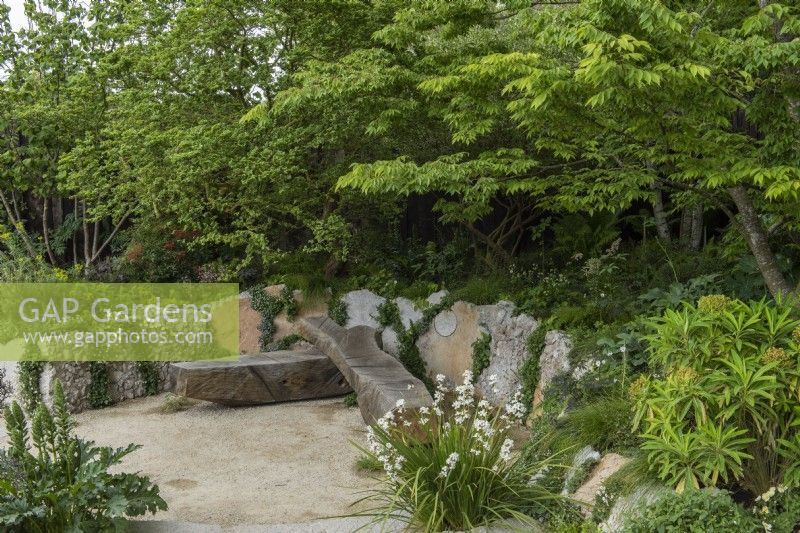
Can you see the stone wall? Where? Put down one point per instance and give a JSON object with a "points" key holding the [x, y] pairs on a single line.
{"points": [[125, 383], [446, 347]]}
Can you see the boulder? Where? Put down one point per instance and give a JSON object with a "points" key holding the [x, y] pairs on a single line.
{"points": [[409, 313], [509, 349], [260, 379], [553, 361], [437, 297], [379, 380], [250, 319], [362, 308], [446, 347], [634, 503], [609, 464]]}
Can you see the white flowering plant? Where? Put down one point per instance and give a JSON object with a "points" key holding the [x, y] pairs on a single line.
{"points": [[778, 509], [452, 467]]}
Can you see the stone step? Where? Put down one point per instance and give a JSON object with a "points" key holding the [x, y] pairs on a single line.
{"points": [[261, 378], [379, 379]]}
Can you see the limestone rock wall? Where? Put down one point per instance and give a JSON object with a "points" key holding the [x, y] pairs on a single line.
{"points": [[509, 348], [250, 319], [125, 382], [446, 347]]}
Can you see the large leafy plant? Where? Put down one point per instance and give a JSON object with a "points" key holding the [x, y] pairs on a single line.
{"points": [[725, 411], [52, 481]]}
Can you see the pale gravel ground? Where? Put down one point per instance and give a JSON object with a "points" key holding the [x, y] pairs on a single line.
{"points": [[273, 464]]}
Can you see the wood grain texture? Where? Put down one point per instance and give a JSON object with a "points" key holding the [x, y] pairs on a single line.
{"points": [[379, 379], [260, 379]]}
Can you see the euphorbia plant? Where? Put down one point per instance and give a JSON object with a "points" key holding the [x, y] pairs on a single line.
{"points": [[725, 411], [455, 469]]}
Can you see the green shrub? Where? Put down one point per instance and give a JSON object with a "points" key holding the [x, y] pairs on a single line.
{"points": [[269, 307], [337, 311], [418, 290], [63, 483], [19, 265], [726, 409], [455, 471], [485, 291], [389, 315], [693, 512]]}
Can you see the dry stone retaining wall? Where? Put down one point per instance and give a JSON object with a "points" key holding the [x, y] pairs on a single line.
{"points": [[124, 382]]}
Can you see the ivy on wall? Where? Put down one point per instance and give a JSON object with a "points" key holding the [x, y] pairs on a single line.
{"points": [[481, 355], [151, 378], [529, 373], [408, 354], [99, 385], [285, 343], [269, 307]]}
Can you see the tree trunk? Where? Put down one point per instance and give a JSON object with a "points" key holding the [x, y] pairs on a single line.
{"points": [[685, 231], [46, 231], [757, 240], [17, 224], [697, 227], [662, 224], [58, 212]]}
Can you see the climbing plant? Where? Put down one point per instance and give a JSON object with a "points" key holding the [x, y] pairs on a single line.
{"points": [[269, 307], [98, 385], [481, 355], [529, 373], [148, 372], [409, 351], [285, 343]]}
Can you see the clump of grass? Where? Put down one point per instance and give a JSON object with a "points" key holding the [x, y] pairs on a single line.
{"points": [[285, 343], [456, 471], [174, 403], [351, 400], [368, 463]]}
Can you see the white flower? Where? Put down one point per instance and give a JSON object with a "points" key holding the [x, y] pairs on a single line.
{"points": [[410, 386], [623, 349], [515, 409], [465, 397], [449, 465], [505, 450], [401, 403]]}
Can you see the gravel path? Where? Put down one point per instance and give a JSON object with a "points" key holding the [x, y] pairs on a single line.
{"points": [[274, 464]]}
